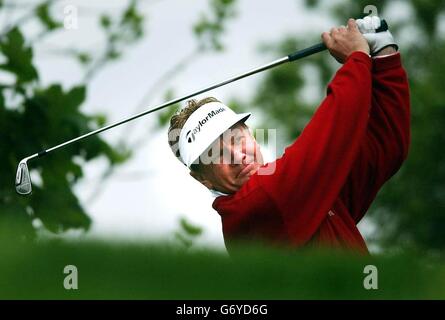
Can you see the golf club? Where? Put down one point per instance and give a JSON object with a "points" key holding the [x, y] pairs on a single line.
{"points": [[23, 183]]}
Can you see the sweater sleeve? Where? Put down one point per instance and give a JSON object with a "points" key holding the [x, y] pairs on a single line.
{"points": [[309, 176], [386, 142]]}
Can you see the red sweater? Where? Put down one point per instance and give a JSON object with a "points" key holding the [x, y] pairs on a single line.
{"points": [[326, 180]]}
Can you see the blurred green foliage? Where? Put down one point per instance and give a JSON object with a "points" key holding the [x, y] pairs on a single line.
{"points": [[187, 233], [34, 117], [108, 270], [45, 17], [211, 27]]}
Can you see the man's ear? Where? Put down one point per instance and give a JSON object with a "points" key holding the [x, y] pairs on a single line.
{"points": [[201, 178]]}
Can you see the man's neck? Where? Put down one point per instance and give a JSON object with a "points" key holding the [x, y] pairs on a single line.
{"points": [[216, 193]]}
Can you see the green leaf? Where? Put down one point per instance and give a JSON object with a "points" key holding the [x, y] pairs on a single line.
{"points": [[210, 27], [84, 58], [99, 119], [133, 21], [60, 211], [189, 228], [165, 115], [76, 96], [105, 21], [45, 18], [18, 57]]}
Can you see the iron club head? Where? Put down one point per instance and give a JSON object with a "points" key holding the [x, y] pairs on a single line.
{"points": [[23, 179]]}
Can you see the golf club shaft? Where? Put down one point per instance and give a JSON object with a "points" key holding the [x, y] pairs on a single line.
{"points": [[292, 57], [23, 180]]}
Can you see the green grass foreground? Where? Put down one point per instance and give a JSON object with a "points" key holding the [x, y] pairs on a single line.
{"points": [[149, 271]]}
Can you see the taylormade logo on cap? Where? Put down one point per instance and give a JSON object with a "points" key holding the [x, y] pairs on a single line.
{"points": [[197, 134], [190, 135]]}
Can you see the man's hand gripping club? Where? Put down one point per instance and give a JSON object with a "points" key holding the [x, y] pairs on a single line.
{"points": [[343, 41]]}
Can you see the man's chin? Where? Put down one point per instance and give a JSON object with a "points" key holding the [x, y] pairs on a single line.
{"points": [[248, 170], [245, 176]]}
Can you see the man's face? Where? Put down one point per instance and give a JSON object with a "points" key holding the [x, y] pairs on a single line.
{"points": [[230, 161]]}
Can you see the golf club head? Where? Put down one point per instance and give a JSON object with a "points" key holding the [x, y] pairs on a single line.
{"points": [[23, 179]]}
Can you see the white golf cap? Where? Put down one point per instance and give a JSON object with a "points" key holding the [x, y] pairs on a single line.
{"points": [[203, 127]]}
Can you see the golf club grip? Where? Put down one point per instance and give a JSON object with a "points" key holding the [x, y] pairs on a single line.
{"points": [[307, 51], [321, 46], [41, 154]]}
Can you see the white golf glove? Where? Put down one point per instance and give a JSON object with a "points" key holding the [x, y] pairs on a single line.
{"points": [[376, 40]]}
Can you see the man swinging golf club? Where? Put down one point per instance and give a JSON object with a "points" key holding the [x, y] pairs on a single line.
{"points": [[322, 186]]}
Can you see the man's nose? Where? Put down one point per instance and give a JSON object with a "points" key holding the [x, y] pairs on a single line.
{"points": [[239, 157]]}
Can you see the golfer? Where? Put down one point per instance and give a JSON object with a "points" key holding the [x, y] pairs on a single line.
{"points": [[322, 186]]}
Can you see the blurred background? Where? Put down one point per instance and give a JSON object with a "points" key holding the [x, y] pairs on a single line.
{"points": [[68, 67]]}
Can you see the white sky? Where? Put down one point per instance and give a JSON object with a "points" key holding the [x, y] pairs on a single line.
{"points": [[147, 195]]}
